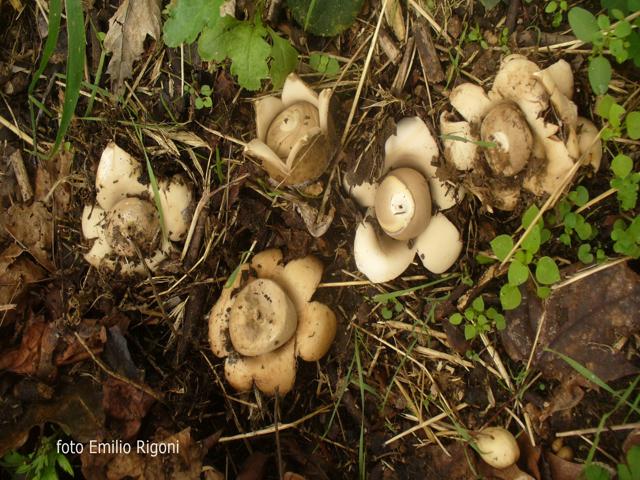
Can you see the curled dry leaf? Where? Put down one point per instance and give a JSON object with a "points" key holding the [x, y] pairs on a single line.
{"points": [[128, 28], [582, 320]]}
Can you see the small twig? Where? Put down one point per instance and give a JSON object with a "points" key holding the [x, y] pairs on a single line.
{"points": [[363, 75], [274, 428], [587, 431], [590, 271]]}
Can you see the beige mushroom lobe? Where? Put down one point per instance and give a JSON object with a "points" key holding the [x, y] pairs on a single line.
{"points": [[132, 223], [403, 204], [262, 318]]}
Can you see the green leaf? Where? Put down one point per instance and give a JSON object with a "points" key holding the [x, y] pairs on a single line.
{"points": [[632, 123], [187, 18], [529, 215], [325, 17], [543, 292], [518, 273], [623, 29], [501, 246], [603, 105], [595, 472], [599, 74], [615, 115], [618, 49], [64, 464], [579, 196], [387, 314], [501, 323], [478, 304], [532, 241], [603, 22], [469, 331], [455, 319], [633, 460], [483, 259], [212, 45], [621, 165], [324, 64], [547, 271], [489, 4], [551, 7], [584, 253], [510, 296], [583, 23], [248, 52], [284, 59]]}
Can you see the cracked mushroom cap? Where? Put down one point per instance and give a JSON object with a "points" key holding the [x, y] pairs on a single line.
{"points": [[133, 223], [516, 81], [295, 134], [262, 324], [507, 128], [262, 318], [403, 204]]}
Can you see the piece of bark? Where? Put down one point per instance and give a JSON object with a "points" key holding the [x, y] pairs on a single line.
{"points": [[404, 68], [427, 52], [389, 46], [22, 177]]}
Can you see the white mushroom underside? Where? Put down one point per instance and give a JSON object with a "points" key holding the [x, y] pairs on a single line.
{"points": [[439, 245], [380, 258], [413, 146]]}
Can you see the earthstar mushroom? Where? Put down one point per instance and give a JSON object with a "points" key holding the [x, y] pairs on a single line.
{"points": [[401, 202], [266, 319], [124, 223], [521, 148], [295, 133]]}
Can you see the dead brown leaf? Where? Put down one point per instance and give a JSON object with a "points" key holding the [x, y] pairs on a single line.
{"points": [[562, 469], [186, 464], [128, 28], [31, 227], [34, 356], [583, 321], [16, 273], [126, 404], [76, 408], [459, 464], [50, 180]]}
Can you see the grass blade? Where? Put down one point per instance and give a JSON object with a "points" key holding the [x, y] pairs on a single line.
{"points": [[55, 15], [75, 67]]}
